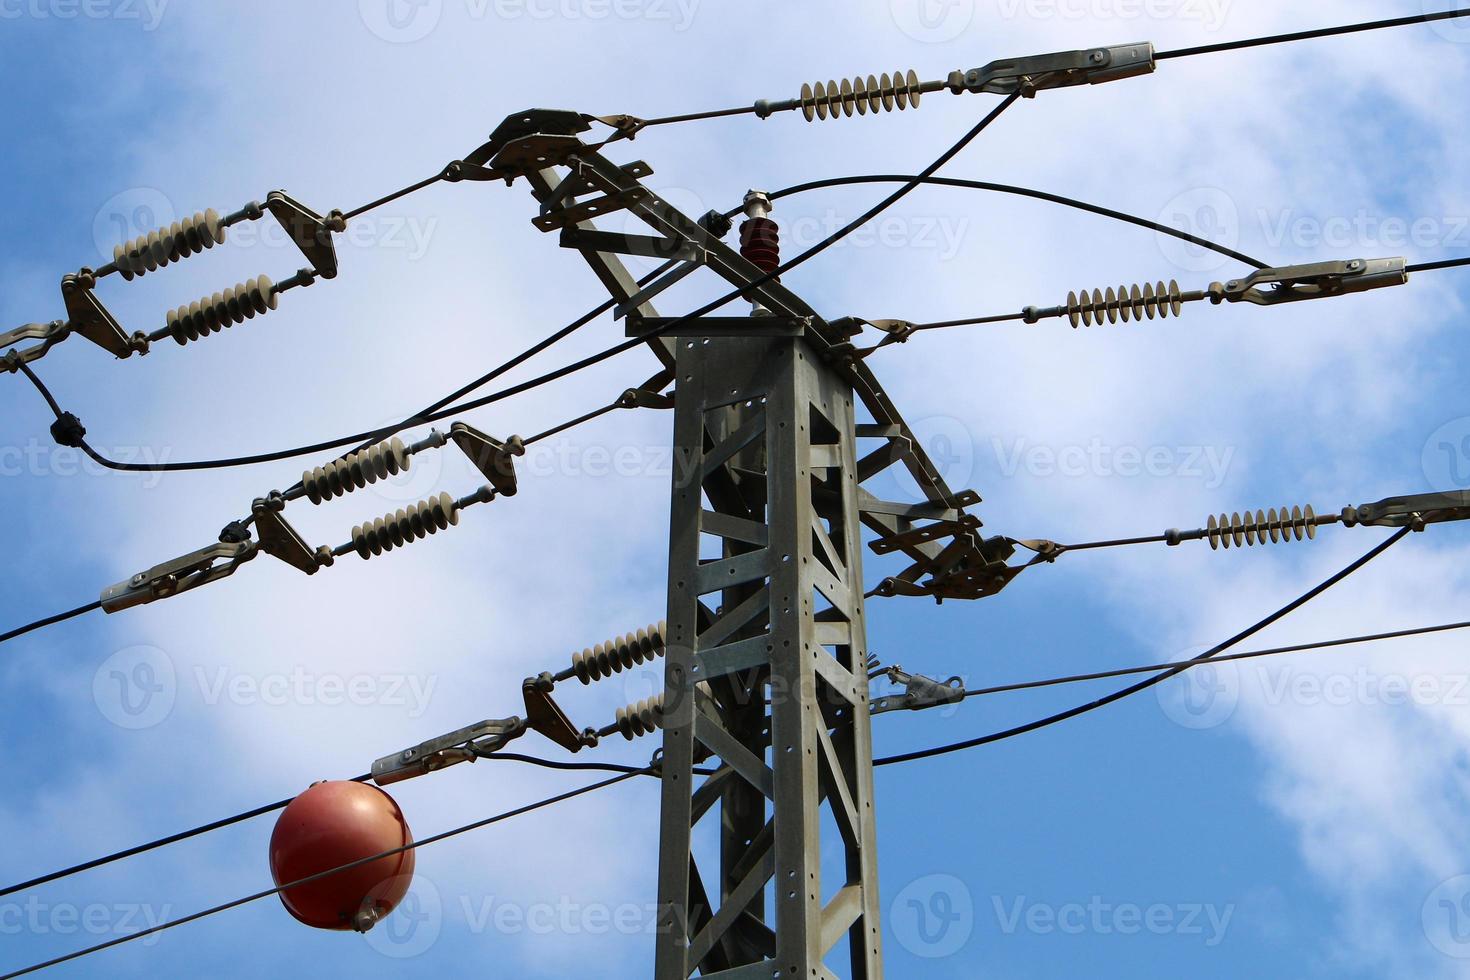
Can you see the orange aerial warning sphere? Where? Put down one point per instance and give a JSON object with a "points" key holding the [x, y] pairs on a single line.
{"points": [[332, 824]]}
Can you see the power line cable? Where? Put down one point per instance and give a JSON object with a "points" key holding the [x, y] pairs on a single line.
{"points": [[155, 844], [80, 610], [226, 906], [50, 620], [1157, 679], [1225, 658], [261, 811], [1320, 32], [1444, 264], [1022, 192], [583, 363], [1035, 315]]}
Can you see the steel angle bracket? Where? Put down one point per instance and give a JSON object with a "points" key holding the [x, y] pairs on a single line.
{"points": [[87, 316], [525, 141], [309, 231], [280, 540], [492, 457], [545, 716]]}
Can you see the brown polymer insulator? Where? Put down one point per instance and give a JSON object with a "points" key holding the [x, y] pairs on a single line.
{"points": [[760, 242]]}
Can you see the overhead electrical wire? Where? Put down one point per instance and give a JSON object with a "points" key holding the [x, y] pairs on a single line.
{"points": [[236, 903], [1311, 35], [793, 263], [155, 844], [983, 185], [555, 764], [1034, 316], [1144, 685], [1166, 670], [260, 811], [1443, 264], [1223, 658], [561, 372], [91, 606], [50, 620], [583, 363]]}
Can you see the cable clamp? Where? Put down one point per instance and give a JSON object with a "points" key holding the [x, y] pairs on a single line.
{"points": [[1061, 70], [464, 745], [1413, 511], [650, 394], [50, 334], [920, 692], [899, 330], [180, 575], [626, 126], [1294, 283]]}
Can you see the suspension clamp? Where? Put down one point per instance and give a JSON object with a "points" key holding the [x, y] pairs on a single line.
{"points": [[1415, 510], [180, 575], [464, 745], [1061, 70], [1294, 283], [920, 692]]}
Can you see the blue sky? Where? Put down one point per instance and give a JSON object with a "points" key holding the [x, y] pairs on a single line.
{"points": [[1281, 819]]}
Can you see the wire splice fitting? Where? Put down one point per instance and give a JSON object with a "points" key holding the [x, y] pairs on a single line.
{"points": [[68, 431]]}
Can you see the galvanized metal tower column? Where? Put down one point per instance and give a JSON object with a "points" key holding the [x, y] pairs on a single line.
{"points": [[766, 669]]}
